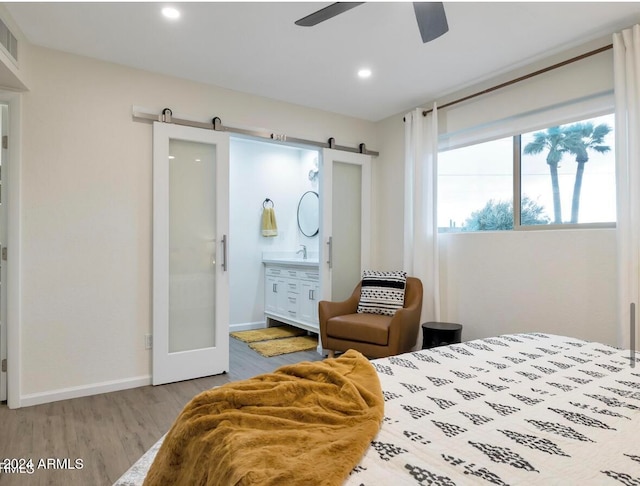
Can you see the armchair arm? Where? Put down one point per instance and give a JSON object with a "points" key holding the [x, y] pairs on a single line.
{"points": [[328, 309], [404, 326]]}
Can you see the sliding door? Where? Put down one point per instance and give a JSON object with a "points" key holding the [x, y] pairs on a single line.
{"points": [[190, 253], [345, 194]]}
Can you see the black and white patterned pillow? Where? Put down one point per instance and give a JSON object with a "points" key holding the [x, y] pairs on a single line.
{"points": [[382, 292]]}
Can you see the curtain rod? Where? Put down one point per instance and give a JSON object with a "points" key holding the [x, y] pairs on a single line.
{"points": [[522, 78]]}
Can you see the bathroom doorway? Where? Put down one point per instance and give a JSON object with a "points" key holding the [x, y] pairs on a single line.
{"points": [[4, 122], [9, 249], [265, 174], [279, 175]]}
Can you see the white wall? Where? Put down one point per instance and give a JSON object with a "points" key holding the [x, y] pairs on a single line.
{"points": [[560, 282], [494, 283], [387, 198], [258, 171], [86, 211]]}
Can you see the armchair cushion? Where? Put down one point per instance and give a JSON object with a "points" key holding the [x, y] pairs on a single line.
{"points": [[369, 328], [382, 292]]}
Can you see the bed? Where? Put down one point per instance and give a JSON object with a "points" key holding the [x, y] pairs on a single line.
{"points": [[512, 409]]}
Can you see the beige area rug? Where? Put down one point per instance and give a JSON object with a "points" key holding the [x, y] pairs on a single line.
{"points": [[268, 333], [276, 347], [274, 341]]}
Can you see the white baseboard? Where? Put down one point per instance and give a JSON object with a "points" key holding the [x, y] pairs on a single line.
{"points": [[247, 326], [109, 386], [83, 391]]}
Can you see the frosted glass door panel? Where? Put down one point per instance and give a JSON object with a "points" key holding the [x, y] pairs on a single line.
{"points": [[345, 232], [192, 245], [347, 229]]}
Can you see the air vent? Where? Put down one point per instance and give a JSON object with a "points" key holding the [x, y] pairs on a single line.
{"points": [[8, 40]]}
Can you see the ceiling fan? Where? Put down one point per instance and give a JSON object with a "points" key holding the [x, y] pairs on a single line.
{"points": [[431, 17]]}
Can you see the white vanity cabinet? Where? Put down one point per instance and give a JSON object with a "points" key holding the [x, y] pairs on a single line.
{"points": [[291, 293], [309, 291], [274, 301]]}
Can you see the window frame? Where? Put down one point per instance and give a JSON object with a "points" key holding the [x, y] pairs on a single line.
{"points": [[517, 188]]}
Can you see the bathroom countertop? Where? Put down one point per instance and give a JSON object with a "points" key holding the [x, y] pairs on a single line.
{"points": [[290, 258], [292, 261]]}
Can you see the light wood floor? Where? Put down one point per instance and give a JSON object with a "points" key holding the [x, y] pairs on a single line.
{"points": [[110, 432]]}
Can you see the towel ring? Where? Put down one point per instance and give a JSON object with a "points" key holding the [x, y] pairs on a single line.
{"points": [[266, 201]]}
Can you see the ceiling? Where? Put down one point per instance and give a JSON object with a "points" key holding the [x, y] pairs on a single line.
{"points": [[256, 48]]}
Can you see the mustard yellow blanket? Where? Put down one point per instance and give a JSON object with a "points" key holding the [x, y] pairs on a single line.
{"points": [[304, 424]]}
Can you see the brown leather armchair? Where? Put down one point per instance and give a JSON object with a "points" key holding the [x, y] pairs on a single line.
{"points": [[374, 335]]}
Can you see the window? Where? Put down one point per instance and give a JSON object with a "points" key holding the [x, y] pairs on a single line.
{"points": [[471, 177], [562, 176]]}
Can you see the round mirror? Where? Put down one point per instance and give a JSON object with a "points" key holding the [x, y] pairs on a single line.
{"points": [[309, 213]]}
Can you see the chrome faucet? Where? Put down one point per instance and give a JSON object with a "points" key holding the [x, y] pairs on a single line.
{"points": [[303, 250]]}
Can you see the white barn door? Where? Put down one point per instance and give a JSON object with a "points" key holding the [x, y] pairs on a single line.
{"points": [[190, 253], [345, 195]]}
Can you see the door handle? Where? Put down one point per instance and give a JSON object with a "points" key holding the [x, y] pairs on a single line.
{"points": [[330, 252], [225, 243]]}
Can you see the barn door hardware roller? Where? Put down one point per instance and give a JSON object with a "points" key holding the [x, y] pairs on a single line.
{"points": [[362, 148]]}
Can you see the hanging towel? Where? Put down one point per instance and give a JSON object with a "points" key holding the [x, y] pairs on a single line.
{"points": [[269, 226]]}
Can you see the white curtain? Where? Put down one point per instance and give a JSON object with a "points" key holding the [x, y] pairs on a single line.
{"points": [[420, 207], [626, 52]]}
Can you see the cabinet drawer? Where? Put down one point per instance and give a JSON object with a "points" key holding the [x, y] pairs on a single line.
{"points": [[274, 271], [309, 275], [292, 302]]}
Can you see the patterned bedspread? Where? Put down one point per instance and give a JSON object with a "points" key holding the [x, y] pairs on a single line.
{"points": [[515, 409]]}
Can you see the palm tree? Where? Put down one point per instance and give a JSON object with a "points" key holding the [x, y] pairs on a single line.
{"points": [[554, 140], [582, 137]]}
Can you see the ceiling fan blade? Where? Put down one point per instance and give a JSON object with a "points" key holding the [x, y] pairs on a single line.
{"points": [[432, 20], [326, 13]]}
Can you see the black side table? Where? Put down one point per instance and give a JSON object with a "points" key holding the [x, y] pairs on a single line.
{"points": [[440, 334]]}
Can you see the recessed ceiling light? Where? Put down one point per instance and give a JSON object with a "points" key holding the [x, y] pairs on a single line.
{"points": [[170, 12], [364, 73]]}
